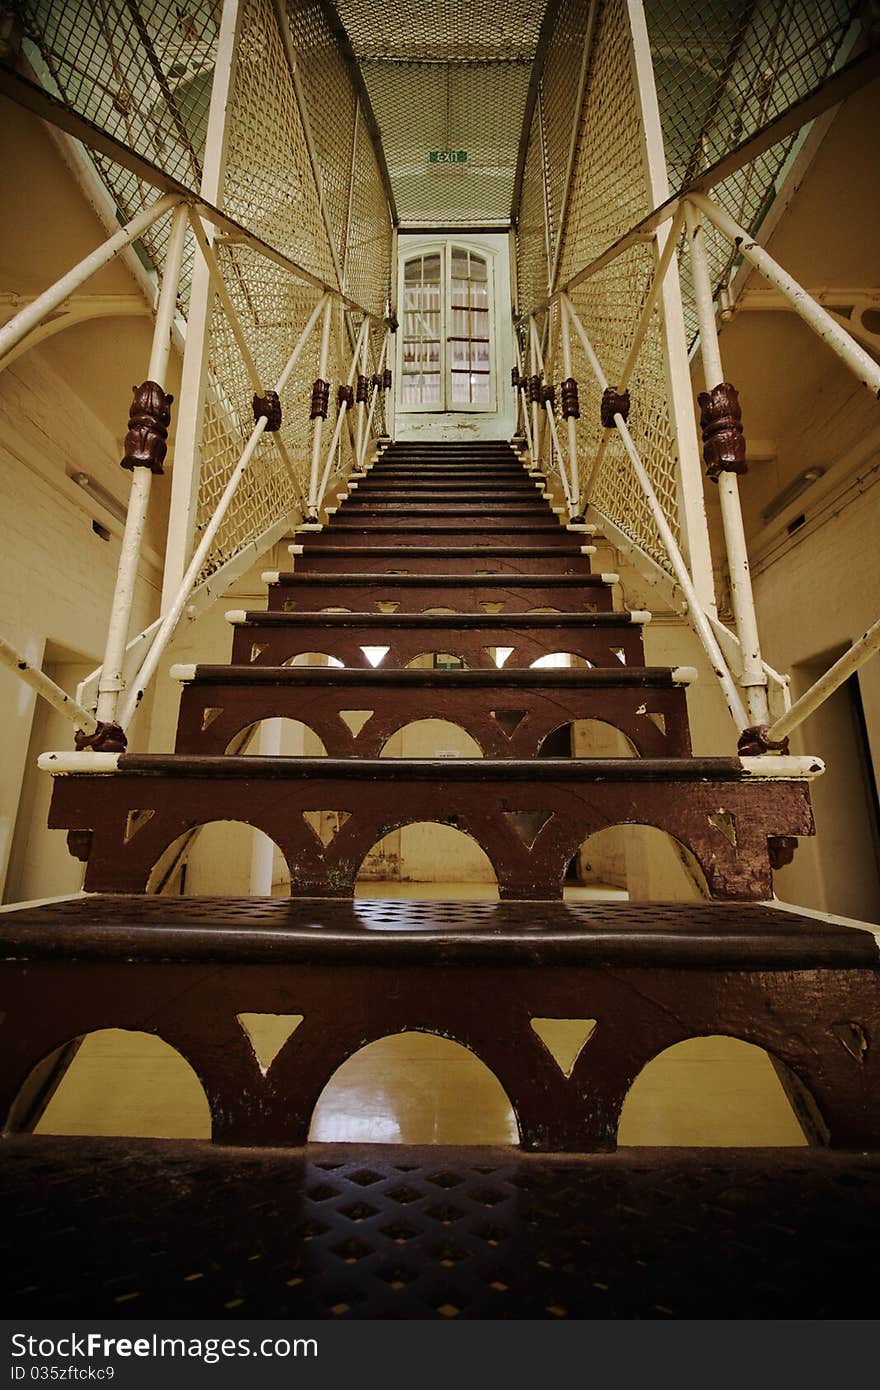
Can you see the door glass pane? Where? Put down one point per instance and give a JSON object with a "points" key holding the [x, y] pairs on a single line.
{"points": [[421, 379], [469, 349]]}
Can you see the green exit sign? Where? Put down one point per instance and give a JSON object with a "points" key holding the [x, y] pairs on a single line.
{"points": [[447, 157]]}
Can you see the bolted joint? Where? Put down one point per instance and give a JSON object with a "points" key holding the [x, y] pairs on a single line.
{"points": [[376, 381], [755, 741], [268, 406], [393, 324], [571, 405], [614, 402], [548, 395], [534, 390], [345, 396], [149, 416], [361, 393], [780, 850], [387, 379], [724, 443], [320, 399], [107, 738], [514, 377]]}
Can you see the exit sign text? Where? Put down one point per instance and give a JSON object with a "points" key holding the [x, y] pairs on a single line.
{"points": [[447, 157]]}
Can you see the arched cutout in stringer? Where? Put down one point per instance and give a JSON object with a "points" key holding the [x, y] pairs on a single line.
{"points": [[594, 738], [428, 852], [442, 661], [215, 859], [296, 739], [125, 1082], [713, 1090], [560, 660], [414, 1087], [645, 863], [431, 738], [313, 659]]}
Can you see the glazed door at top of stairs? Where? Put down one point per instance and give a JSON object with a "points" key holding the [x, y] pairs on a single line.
{"points": [[437, 332]]}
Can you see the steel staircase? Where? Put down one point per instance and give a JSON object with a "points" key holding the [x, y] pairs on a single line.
{"points": [[468, 532]]}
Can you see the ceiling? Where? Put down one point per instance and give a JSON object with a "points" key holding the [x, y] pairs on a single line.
{"points": [[447, 75]]}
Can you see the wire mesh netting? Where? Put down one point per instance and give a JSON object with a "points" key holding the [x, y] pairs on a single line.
{"points": [[578, 199], [722, 78], [143, 70], [271, 187]]}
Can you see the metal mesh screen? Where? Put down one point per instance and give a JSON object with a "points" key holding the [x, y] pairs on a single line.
{"points": [[607, 194], [472, 108], [721, 78], [140, 69], [272, 188]]}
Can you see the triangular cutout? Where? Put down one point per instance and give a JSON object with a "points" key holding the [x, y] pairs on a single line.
{"points": [[565, 1039], [267, 1034], [257, 649], [135, 821], [375, 655], [356, 718], [499, 654], [658, 719], [386, 606], [492, 607], [508, 719], [326, 825], [527, 824], [724, 821], [209, 714]]}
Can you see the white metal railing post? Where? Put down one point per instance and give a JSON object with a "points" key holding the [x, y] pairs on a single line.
{"points": [[554, 437], [180, 599], [320, 403], [571, 411], [533, 376], [523, 405], [698, 615], [377, 387], [46, 303], [341, 417], [112, 681], [78, 715], [828, 329], [361, 393], [753, 677]]}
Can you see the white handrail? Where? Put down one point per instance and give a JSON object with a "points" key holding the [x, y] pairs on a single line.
{"points": [[373, 396], [682, 575], [860, 652], [78, 715], [340, 419], [175, 610], [46, 303], [822, 323]]}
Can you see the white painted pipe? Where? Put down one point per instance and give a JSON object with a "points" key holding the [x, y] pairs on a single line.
{"points": [[64, 762], [112, 681], [27, 318], [376, 389], [571, 422], [340, 419], [697, 614], [175, 610], [318, 422], [524, 406], [533, 353], [554, 437], [78, 715], [860, 652], [753, 676], [361, 406], [822, 323]]}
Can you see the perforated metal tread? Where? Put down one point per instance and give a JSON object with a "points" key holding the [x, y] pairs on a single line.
{"points": [[144, 1228], [731, 935]]}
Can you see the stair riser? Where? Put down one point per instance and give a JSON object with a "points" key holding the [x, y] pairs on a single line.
{"points": [[343, 536], [319, 707], [574, 811], [274, 646], [305, 595], [344, 561]]}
